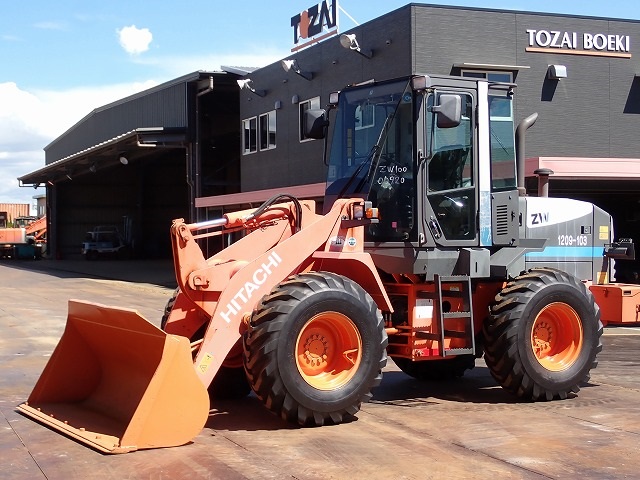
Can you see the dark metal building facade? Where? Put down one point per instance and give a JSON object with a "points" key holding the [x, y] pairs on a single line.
{"points": [[143, 160], [580, 74]]}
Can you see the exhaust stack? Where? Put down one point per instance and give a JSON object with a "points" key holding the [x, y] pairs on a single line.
{"points": [[523, 126]]}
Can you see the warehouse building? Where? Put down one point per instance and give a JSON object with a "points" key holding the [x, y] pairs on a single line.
{"points": [[211, 141]]}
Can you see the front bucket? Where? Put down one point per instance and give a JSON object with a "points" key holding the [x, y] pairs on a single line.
{"points": [[118, 383]]}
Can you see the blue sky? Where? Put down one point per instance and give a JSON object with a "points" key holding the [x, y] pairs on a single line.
{"points": [[60, 60]]}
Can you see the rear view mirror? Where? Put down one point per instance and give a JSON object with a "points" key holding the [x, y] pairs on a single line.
{"points": [[448, 111], [315, 123]]}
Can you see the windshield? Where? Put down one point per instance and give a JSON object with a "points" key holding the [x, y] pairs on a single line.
{"points": [[372, 153]]}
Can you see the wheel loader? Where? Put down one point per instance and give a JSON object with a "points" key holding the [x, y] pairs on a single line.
{"points": [[427, 251]]}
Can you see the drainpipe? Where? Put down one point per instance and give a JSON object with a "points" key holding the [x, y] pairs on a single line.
{"points": [[523, 126]]}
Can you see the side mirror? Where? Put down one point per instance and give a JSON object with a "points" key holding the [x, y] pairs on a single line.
{"points": [[315, 123], [448, 111]]}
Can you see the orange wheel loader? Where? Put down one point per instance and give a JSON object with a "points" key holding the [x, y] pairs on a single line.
{"points": [[428, 251]]}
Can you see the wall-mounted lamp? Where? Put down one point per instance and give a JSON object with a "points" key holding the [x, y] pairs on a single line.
{"points": [[248, 84], [556, 72], [123, 160], [349, 41], [292, 64], [50, 182], [93, 168]]}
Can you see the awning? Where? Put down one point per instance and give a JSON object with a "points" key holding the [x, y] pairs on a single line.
{"points": [[569, 168], [490, 66], [125, 147]]}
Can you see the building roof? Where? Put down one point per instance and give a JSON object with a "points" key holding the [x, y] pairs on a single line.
{"points": [[101, 155]]}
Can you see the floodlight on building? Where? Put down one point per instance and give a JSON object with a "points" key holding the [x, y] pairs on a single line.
{"points": [[124, 160], [93, 168], [247, 84], [556, 72], [292, 65], [349, 41]]}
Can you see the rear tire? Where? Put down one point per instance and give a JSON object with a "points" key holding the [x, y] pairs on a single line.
{"points": [[543, 335], [315, 348], [436, 370]]}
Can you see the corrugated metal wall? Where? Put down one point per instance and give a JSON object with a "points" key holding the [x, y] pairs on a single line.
{"points": [[9, 211], [166, 107]]}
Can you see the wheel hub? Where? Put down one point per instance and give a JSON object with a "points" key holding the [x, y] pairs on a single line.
{"points": [[315, 350], [328, 350], [557, 336], [542, 338]]}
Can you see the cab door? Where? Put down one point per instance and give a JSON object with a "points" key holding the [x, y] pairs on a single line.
{"points": [[450, 212]]}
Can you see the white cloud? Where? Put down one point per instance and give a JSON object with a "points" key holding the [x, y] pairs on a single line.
{"points": [[134, 40], [30, 120], [48, 25]]}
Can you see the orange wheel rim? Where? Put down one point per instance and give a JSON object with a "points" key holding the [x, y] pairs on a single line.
{"points": [[556, 336], [328, 351]]}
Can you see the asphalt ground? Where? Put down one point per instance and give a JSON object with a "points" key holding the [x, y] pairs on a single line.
{"points": [[463, 429]]}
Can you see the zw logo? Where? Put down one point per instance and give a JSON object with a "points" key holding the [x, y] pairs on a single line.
{"points": [[539, 218], [393, 169], [310, 22]]}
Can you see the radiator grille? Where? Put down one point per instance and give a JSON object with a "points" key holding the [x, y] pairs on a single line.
{"points": [[502, 220]]}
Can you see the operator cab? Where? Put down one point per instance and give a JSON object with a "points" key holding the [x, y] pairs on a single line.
{"points": [[372, 156], [412, 147]]}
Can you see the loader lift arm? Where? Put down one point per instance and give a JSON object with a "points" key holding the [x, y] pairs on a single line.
{"points": [[282, 239], [118, 383]]}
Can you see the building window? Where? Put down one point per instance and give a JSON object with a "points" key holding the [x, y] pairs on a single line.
{"points": [[498, 110], [492, 76], [303, 107], [268, 130], [250, 131], [365, 116]]}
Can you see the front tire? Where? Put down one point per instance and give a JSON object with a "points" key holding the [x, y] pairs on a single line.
{"points": [[543, 335], [315, 348], [230, 383]]}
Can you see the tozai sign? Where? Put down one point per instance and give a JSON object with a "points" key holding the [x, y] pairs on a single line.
{"points": [[314, 24], [574, 43]]}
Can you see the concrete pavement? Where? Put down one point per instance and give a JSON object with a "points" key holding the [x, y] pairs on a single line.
{"points": [[469, 428]]}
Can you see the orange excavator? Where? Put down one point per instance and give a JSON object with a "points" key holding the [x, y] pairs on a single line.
{"points": [[38, 230], [428, 251], [27, 239]]}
